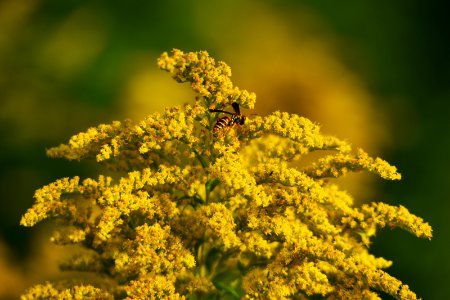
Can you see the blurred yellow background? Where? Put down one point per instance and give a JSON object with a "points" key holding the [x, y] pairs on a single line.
{"points": [[376, 74]]}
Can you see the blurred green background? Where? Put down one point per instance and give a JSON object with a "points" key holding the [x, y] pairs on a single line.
{"points": [[375, 73]]}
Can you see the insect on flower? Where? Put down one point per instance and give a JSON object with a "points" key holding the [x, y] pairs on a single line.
{"points": [[226, 121]]}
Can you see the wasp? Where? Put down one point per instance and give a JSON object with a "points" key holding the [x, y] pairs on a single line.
{"points": [[228, 121]]}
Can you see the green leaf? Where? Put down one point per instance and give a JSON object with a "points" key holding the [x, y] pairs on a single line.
{"points": [[229, 284], [211, 184], [212, 259]]}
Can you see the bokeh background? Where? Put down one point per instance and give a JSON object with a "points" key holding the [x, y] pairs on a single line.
{"points": [[376, 73]]}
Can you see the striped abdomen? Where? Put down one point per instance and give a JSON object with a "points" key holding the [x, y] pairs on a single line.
{"points": [[222, 123]]}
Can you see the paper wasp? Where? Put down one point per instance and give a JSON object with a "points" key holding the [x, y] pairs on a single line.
{"points": [[228, 121]]}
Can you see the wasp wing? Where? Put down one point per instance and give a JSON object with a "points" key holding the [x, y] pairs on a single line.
{"points": [[236, 108]]}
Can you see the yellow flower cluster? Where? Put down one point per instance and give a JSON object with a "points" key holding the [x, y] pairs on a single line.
{"points": [[78, 292], [218, 215], [210, 80]]}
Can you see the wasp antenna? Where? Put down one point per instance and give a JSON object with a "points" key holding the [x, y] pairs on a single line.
{"points": [[222, 111]]}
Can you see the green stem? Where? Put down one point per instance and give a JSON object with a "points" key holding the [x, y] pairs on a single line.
{"points": [[200, 159]]}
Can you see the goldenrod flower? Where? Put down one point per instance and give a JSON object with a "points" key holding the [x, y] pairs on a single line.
{"points": [[224, 214]]}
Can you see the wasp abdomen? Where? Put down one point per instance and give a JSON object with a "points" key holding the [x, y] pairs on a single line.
{"points": [[221, 123]]}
